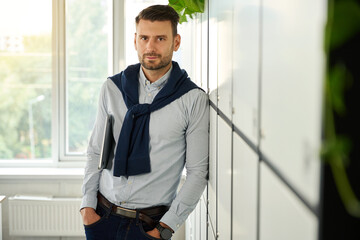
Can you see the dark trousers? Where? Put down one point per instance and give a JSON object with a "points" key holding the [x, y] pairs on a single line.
{"points": [[115, 227]]}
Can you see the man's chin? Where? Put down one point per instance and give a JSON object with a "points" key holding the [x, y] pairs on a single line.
{"points": [[152, 66]]}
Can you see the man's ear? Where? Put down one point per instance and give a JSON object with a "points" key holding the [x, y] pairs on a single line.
{"points": [[177, 41], [135, 42]]}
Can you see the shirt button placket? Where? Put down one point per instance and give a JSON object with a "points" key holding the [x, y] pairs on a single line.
{"points": [[129, 184]]}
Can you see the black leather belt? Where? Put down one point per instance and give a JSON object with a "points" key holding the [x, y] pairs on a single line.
{"points": [[144, 214]]}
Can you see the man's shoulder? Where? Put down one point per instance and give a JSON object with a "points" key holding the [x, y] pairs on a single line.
{"points": [[115, 77], [197, 92], [110, 88], [134, 68], [194, 96]]}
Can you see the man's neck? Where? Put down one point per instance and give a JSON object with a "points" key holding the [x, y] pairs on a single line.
{"points": [[154, 75]]}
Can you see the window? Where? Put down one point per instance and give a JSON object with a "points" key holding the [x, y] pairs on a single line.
{"points": [[54, 56], [88, 64], [25, 79]]}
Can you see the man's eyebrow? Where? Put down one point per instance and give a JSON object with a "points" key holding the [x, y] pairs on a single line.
{"points": [[157, 36]]}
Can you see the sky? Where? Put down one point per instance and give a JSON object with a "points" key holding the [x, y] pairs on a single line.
{"points": [[27, 20]]}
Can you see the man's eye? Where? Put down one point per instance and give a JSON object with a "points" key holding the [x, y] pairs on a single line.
{"points": [[143, 38], [161, 39]]}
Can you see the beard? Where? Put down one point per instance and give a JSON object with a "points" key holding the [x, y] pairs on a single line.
{"points": [[151, 65]]}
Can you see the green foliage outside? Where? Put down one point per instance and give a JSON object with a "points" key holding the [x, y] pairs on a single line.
{"points": [[27, 75], [87, 66], [22, 78]]}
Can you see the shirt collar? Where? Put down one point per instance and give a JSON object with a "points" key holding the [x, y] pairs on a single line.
{"points": [[158, 83]]}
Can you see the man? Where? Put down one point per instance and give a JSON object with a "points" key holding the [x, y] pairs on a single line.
{"points": [[160, 125]]}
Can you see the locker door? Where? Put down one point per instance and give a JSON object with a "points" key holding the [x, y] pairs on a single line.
{"points": [[212, 183], [204, 47], [211, 233], [282, 215], [292, 76], [245, 170], [224, 180], [245, 55], [203, 219], [192, 231], [213, 63], [225, 49]]}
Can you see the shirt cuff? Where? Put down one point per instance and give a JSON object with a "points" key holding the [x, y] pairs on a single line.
{"points": [[88, 201], [172, 220]]}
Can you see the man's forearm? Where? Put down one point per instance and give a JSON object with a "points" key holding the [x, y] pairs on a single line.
{"points": [[91, 182], [185, 201]]}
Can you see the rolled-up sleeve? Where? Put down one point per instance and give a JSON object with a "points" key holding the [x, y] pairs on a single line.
{"points": [[92, 174], [197, 153]]}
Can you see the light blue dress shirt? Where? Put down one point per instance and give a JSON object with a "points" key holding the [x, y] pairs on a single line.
{"points": [[179, 135]]}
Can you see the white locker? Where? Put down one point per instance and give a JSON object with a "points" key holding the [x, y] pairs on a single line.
{"points": [[204, 213], [213, 63], [204, 47], [282, 215], [197, 57], [196, 223], [212, 183], [245, 182], [211, 233], [245, 60], [204, 195], [224, 180], [292, 75], [224, 55], [190, 225], [203, 219], [187, 51]]}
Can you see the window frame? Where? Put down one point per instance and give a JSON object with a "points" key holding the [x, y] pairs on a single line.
{"points": [[59, 156]]}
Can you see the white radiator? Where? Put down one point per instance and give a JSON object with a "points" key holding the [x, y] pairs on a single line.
{"points": [[44, 216]]}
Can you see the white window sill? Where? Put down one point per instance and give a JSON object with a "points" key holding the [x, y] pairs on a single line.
{"points": [[41, 173]]}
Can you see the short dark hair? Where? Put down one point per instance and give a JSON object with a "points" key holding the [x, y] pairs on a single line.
{"points": [[160, 13]]}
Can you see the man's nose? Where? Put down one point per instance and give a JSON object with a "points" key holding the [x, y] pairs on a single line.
{"points": [[150, 45]]}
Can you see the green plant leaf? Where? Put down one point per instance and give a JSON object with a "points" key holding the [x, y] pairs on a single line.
{"points": [[177, 2], [187, 8], [183, 18], [336, 149], [339, 80], [194, 6], [344, 23], [178, 5], [188, 12]]}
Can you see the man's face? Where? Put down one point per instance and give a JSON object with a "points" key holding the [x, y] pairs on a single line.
{"points": [[155, 43]]}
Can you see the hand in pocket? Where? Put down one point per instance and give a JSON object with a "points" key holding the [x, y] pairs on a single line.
{"points": [[89, 216]]}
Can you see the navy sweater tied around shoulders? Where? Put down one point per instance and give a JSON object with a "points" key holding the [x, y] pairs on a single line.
{"points": [[132, 151]]}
